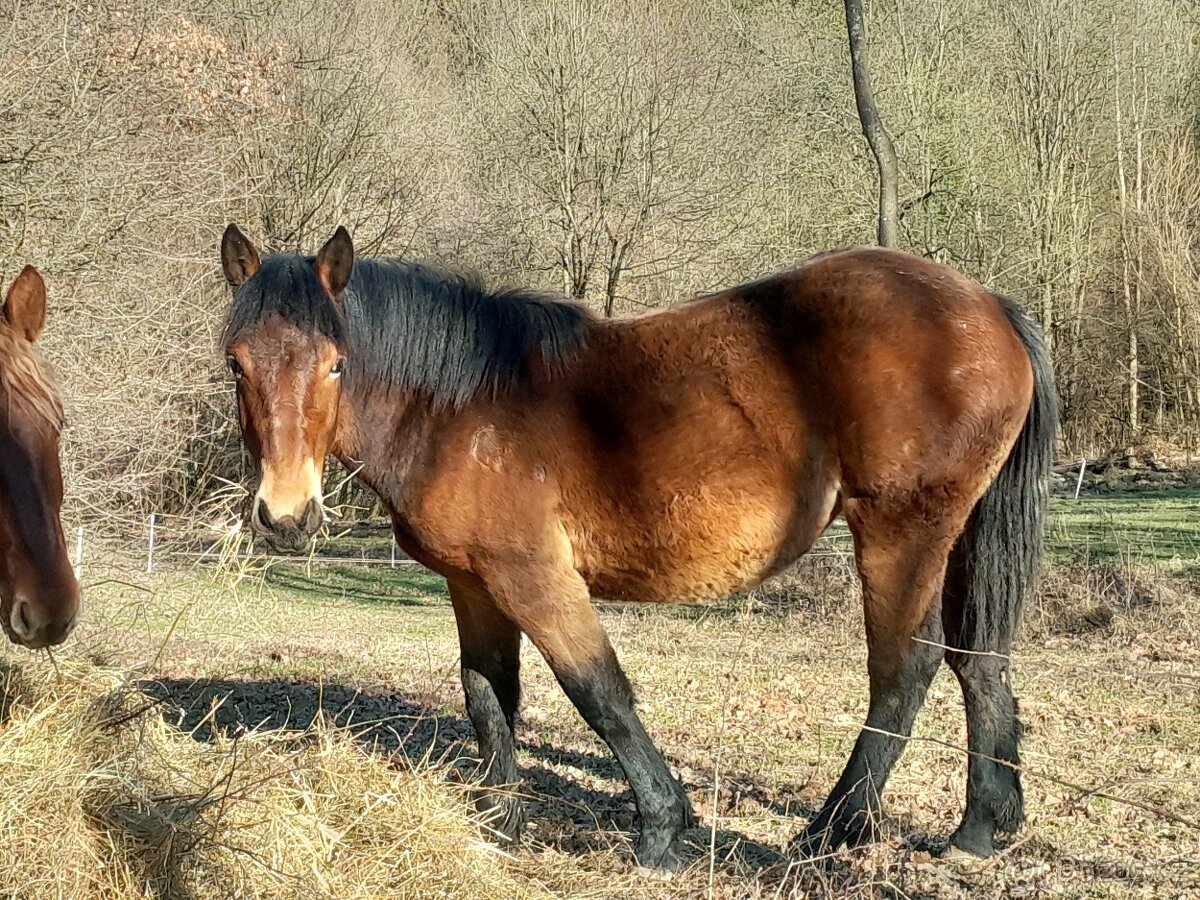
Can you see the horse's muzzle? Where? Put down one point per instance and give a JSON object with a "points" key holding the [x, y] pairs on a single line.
{"points": [[31, 626], [287, 534]]}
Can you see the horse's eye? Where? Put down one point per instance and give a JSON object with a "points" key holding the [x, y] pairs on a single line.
{"points": [[234, 366], [338, 367]]}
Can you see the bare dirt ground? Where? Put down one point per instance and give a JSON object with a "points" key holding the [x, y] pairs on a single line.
{"points": [[755, 701]]}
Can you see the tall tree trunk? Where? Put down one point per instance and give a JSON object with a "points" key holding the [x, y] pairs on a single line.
{"points": [[877, 136], [1130, 240]]}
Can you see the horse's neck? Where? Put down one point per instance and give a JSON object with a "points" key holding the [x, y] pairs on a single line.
{"points": [[380, 438]]}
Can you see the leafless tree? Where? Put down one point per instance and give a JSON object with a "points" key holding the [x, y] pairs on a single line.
{"points": [[626, 154], [877, 135]]}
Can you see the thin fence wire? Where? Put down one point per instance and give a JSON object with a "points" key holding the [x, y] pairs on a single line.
{"points": [[167, 540]]}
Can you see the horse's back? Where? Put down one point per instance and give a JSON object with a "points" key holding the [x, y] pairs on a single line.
{"points": [[711, 442]]}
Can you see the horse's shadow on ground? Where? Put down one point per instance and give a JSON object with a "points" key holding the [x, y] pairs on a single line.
{"points": [[564, 814]]}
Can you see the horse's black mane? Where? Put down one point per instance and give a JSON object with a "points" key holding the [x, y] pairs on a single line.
{"points": [[413, 327]]}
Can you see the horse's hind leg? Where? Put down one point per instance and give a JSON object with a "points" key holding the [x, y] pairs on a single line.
{"points": [[994, 797], [901, 562], [553, 607], [491, 646]]}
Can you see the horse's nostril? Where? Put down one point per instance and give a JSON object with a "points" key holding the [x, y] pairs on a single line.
{"points": [[20, 619], [312, 516], [262, 516]]}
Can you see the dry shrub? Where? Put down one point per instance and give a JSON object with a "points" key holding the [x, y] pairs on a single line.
{"points": [[1083, 598], [99, 798], [197, 69], [133, 134], [1074, 599], [822, 583]]}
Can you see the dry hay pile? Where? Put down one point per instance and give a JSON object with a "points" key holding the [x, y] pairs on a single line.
{"points": [[99, 798]]}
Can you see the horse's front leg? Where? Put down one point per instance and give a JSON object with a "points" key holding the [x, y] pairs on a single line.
{"points": [[551, 604], [491, 659]]}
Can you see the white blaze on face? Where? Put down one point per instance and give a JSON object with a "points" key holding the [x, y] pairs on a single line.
{"points": [[288, 493]]}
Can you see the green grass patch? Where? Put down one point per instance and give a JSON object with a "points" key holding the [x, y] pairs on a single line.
{"points": [[404, 585], [1143, 528]]}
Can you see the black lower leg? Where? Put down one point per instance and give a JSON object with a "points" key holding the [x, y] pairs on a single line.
{"points": [[491, 647], [491, 704], [994, 797], [604, 698], [852, 811], [550, 602]]}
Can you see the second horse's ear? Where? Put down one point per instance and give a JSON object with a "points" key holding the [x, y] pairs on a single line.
{"points": [[25, 304], [335, 262], [239, 257]]}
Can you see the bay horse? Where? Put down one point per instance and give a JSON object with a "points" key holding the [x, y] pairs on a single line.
{"points": [[39, 594], [537, 456]]}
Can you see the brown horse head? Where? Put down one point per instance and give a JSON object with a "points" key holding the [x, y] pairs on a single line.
{"points": [[284, 345], [39, 594]]}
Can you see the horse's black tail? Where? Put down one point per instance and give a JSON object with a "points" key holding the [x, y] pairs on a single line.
{"points": [[1002, 545], [993, 567]]}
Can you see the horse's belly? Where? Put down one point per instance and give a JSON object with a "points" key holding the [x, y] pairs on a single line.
{"points": [[686, 556], [668, 581]]}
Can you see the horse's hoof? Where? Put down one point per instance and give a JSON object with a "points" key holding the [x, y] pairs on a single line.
{"points": [[962, 863], [817, 848], [974, 844], [659, 850], [822, 840], [660, 874], [958, 854], [501, 816], [806, 846]]}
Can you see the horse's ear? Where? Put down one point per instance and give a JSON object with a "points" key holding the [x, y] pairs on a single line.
{"points": [[335, 262], [238, 256], [25, 304]]}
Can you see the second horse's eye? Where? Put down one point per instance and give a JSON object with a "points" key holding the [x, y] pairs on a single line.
{"points": [[338, 366], [234, 366]]}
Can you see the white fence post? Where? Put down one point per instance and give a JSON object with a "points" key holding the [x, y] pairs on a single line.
{"points": [[150, 548], [393, 551], [1079, 483]]}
